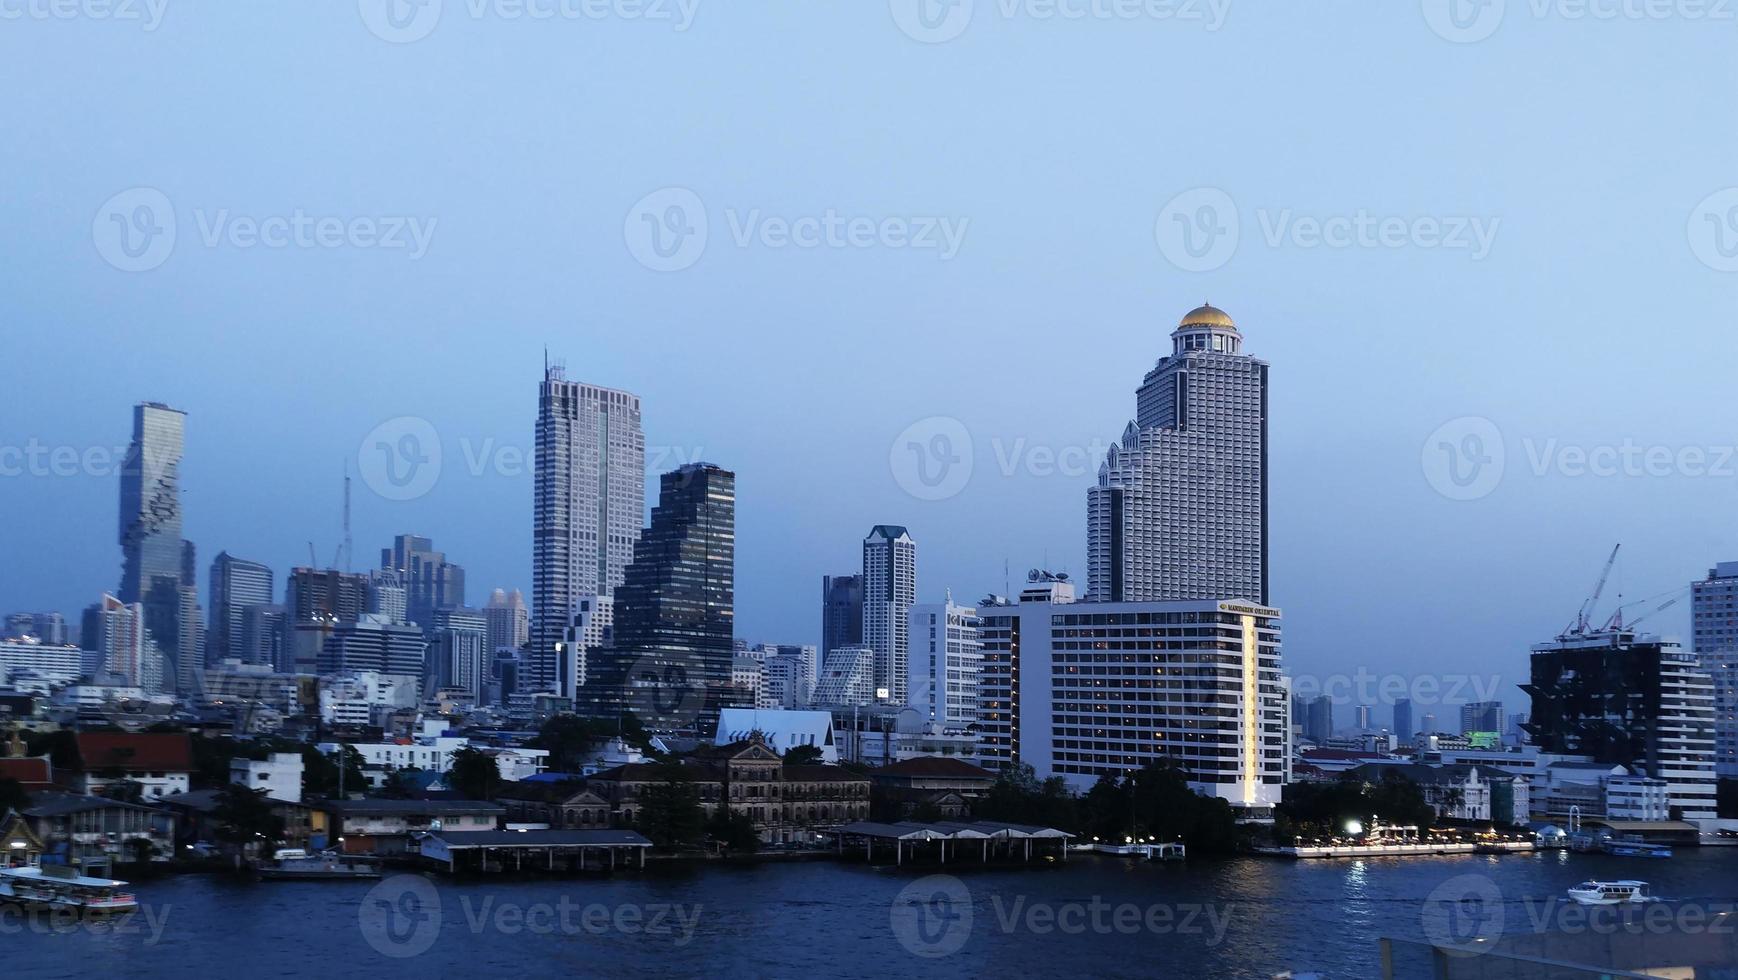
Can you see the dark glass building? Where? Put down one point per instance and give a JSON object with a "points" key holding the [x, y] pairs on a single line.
{"points": [[841, 612], [668, 661]]}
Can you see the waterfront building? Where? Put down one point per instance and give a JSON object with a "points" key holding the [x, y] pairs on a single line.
{"points": [[1106, 687], [1481, 716], [316, 603], [509, 620], [392, 828], [89, 832], [675, 609], [946, 662], [431, 582], [841, 612], [847, 677], [889, 589], [1714, 620], [236, 584], [1180, 510], [1628, 699], [588, 500]]}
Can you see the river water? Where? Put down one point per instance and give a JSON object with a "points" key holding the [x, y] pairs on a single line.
{"points": [[1094, 916]]}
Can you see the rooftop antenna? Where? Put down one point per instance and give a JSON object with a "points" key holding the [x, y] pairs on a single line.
{"points": [[349, 544]]}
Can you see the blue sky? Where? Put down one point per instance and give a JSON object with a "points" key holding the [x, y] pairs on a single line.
{"points": [[1595, 312]]}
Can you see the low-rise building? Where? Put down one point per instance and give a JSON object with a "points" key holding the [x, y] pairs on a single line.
{"points": [[89, 832], [386, 827], [949, 786], [280, 776], [160, 763]]}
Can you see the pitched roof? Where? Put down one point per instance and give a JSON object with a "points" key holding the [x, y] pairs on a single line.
{"points": [[929, 766], [162, 752]]}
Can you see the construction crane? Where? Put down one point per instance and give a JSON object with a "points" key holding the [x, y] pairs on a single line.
{"points": [[1584, 618], [1616, 621]]}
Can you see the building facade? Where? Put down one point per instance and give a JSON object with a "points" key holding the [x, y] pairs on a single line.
{"points": [[946, 662], [236, 584], [1180, 509], [841, 612], [1714, 620], [431, 583], [889, 589]]}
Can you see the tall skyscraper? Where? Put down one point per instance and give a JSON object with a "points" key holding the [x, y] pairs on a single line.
{"points": [[1481, 716], [841, 612], [371, 642], [1628, 699], [509, 620], [589, 500], [1180, 509], [430, 582], [236, 583], [317, 602], [156, 563], [675, 609], [1403, 719], [1714, 620], [458, 651], [947, 660], [889, 589], [117, 633]]}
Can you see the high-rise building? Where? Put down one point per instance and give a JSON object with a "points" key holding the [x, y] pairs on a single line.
{"points": [[48, 628], [1428, 725], [371, 642], [1481, 716], [847, 678], [589, 499], [236, 584], [1628, 699], [947, 660], [459, 651], [1403, 719], [509, 620], [1365, 718], [1318, 718], [1180, 509], [316, 602], [889, 589], [1714, 620], [841, 612], [1100, 688], [593, 627], [262, 635], [790, 676], [117, 632], [156, 563], [430, 582], [675, 609], [388, 596]]}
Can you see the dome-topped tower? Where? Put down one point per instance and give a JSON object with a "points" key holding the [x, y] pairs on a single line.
{"points": [[1206, 328]]}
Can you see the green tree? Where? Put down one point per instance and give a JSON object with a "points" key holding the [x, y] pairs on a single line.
{"points": [[320, 771], [670, 812], [569, 740], [734, 831], [474, 774], [803, 755], [244, 817]]}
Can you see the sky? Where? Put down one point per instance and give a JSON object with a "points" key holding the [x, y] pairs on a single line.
{"points": [[1487, 250]]}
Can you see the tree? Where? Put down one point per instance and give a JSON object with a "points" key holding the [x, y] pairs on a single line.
{"points": [[244, 817], [734, 831], [670, 812], [569, 740], [320, 771], [474, 774], [803, 755]]}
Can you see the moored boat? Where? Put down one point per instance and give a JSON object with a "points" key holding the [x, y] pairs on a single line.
{"points": [[294, 863], [60, 887]]}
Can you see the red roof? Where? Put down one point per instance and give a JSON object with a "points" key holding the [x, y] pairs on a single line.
{"points": [[32, 774], [935, 767], [168, 752]]}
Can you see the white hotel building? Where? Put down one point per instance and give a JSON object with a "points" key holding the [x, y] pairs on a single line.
{"points": [[1082, 690], [946, 660]]}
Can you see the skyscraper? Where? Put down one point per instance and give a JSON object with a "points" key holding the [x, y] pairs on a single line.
{"points": [[236, 583], [1481, 716], [669, 659], [1180, 509], [1403, 719], [889, 589], [430, 581], [117, 633], [316, 602], [1714, 620], [841, 612], [156, 563], [947, 662], [458, 651], [588, 501], [371, 642], [509, 620]]}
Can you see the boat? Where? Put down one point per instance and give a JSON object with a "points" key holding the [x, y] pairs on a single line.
{"points": [[294, 863], [1611, 893], [1633, 847], [56, 886]]}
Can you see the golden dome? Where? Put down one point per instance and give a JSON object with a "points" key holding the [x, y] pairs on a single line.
{"points": [[1207, 316]]}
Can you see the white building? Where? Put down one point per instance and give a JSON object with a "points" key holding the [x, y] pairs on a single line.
{"points": [[590, 500], [789, 677], [432, 751], [280, 776], [746, 679], [783, 730], [1180, 509], [362, 697], [847, 678], [946, 664], [593, 620], [1082, 690], [889, 589], [58, 663]]}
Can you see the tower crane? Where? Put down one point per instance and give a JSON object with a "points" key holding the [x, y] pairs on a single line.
{"points": [[1583, 619]]}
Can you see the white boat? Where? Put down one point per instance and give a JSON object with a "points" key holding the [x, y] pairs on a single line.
{"points": [[60, 887], [1611, 893], [293, 862]]}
